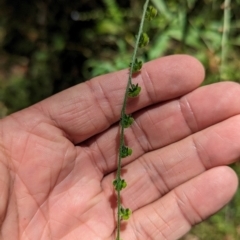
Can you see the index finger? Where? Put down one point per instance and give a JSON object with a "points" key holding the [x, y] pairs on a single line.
{"points": [[91, 107]]}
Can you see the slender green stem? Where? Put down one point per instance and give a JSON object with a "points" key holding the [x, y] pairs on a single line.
{"points": [[123, 113], [137, 43], [226, 28]]}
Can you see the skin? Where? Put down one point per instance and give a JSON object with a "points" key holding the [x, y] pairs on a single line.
{"points": [[58, 157]]}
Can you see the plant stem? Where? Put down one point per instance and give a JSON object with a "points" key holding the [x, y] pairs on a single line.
{"points": [[137, 43], [226, 28], [123, 113]]}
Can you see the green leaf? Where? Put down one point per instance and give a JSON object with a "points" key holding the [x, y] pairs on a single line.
{"points": [[134, 90], [127, 121]]}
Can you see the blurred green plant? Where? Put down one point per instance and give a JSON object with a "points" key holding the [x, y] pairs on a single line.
{"points": [[59, 42], [190, 27]]}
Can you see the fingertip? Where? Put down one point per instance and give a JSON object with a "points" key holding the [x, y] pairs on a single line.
{"points": [[182, 73], [208, 193], [218, 184], [228, 177], [222, 184]]}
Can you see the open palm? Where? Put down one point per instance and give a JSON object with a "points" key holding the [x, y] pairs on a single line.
{"points": [[58, 157]]}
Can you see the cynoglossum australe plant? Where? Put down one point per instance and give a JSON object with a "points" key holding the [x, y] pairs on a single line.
{"points": [[132, 90]]}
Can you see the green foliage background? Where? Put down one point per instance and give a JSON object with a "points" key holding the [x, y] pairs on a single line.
{"points": [[47, 46]]}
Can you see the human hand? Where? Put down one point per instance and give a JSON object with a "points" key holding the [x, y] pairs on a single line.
{"points": [[58, 157]]}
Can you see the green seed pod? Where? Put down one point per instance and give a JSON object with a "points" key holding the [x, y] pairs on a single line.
{"points": [[151, 13], [144, 40], [134, 90], [119, 185], [127, 121], [125, 151], [137, 66], [124, 183], [125, 213]]}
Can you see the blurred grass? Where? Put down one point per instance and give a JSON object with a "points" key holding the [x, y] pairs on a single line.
{"points": [[47, 47]]}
